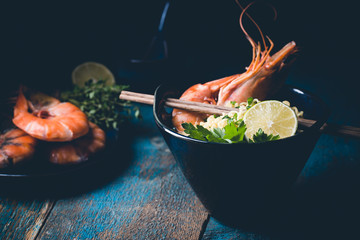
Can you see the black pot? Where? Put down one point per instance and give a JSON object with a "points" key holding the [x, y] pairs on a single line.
{"points": [[240, 183]]}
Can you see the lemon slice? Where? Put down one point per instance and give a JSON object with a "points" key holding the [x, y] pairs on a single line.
{"points": [[273, 117], [94, 71]]}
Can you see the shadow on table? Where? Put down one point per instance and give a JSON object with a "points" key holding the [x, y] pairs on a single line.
{"points": [[322, 207], [107, 166], [326, 208]]}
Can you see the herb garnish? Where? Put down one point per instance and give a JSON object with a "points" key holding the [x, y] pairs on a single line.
{"points": [[101, 103], [250, 102], [233, 132], [261, 136]]}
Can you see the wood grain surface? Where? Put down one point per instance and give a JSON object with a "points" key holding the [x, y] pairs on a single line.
{"points": [[22, 219], [143, 195], [149, 200]]}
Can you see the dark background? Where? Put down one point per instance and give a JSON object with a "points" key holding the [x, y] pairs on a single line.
{"points": [[42, 43]]}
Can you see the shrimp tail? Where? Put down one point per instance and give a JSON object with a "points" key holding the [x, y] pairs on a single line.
{"points": [[21, 103]]}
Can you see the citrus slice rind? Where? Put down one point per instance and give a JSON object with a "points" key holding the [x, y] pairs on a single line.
{"points": [[273, 117], [94, 71]]}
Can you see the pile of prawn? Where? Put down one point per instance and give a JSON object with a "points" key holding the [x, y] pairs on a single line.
{"points": [[262, 78], [71, 138]]}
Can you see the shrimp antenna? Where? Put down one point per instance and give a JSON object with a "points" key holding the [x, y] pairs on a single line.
{"points": [[257, 26], [252, 42]]}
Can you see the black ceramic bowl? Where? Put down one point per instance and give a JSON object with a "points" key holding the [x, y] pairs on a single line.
{"points": [[238, 183]]}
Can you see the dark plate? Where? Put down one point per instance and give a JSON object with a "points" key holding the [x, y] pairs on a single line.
{"points": [[39, 178], [40, 167]]}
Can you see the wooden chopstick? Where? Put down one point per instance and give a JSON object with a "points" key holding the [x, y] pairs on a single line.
{"points": [[175, 103], [333, 129]]}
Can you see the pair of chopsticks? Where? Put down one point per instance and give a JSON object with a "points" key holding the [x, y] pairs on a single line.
{"points": [[333, 129]]}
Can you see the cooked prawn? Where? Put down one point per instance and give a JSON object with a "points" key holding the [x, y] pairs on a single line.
{"points": [[15, 146], [80, 149], [264, 76], [203, 93], [48, 119]]}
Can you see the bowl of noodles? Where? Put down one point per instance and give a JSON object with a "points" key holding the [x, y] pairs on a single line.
{"points": [[239, 183]]}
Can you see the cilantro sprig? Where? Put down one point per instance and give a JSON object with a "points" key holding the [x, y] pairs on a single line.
{"points": [[201, 133], [101, 103], [233, 132], [261, 136], [250, 102]]}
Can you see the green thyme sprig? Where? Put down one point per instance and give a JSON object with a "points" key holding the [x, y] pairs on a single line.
{"points": [[101, 103]]}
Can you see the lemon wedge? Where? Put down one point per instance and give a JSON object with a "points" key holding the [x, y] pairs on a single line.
{"points": [[273, 117], [94, 71]]}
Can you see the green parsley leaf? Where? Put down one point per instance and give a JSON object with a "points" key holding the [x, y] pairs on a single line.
{"points": [[190, 129], [232, 133], [212, 138], [218, 132], [250, 102], [235, 116], [235, 132], [227, 117], [201, 133], [261, 136]]}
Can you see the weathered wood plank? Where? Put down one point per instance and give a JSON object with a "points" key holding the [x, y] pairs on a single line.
{"points": [[150, 200], [22, 219]]}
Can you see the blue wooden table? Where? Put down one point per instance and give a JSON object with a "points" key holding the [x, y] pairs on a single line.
{"points": [[147, 197]]}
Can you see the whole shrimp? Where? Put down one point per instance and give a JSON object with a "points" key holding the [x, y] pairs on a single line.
{"points": [[48, 119], [262, 78], [80, 149], [15, 146]]}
